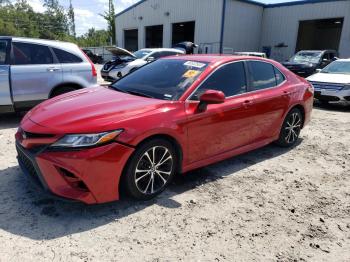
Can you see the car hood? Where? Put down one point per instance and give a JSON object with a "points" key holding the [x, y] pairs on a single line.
{"points": [[118, 51], [90, 110], [330, 78]]}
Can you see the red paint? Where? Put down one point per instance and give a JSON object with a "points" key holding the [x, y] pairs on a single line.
{"points": [[237, 125]]}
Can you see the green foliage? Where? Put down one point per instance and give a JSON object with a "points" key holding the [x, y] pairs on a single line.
{"points": [[110, 18], [19, 19]]}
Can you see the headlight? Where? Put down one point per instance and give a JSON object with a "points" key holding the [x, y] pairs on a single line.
{"points": [[86, 140]]}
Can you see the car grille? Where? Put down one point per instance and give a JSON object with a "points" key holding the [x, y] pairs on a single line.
{"points": [[28, 165], [327, 86], [34, 135]]}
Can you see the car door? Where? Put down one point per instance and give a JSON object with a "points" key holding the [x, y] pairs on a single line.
{"points": [[272, 95], [34, 72], [5, 92], [220, 127]]}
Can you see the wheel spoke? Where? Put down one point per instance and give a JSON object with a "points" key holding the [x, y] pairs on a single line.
{"points": [[153, 155], [161, 163], [138, 179], [164, 172], [288, 136], [164, 180], [165, 153], [149, 158], [149, 182]]}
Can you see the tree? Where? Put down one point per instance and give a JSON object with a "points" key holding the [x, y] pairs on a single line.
{"points": [[56, 20], [110, 18], [71, 19]]}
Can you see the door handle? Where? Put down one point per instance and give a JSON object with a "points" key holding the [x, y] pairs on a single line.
{"points": [[53, 69], [247, 103], [286, 94]]}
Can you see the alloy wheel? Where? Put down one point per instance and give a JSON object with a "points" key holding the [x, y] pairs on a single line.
{"points": [[292, 128], [153, 170]]}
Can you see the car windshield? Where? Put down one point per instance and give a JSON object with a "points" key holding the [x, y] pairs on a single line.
{"points": [[338, 67], [165, 79], [142, 53], [306, 57]]}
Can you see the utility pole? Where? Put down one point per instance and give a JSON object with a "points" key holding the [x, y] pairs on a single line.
{"points": [[222, 26]]}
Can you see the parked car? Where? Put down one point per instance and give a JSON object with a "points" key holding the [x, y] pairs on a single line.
{"points": [[187, 47], [257, 54], [170, 116], [95, 58], [125, 62], [333, 82], [32, 70], [305, 63]]}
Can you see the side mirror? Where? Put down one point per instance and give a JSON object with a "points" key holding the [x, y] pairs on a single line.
{"points": [[212, 97], [150, 59], [318, 70]]}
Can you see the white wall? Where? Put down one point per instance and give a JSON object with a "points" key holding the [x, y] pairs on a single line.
{"points": [[281, 24], [206, 14], [243, 26]]}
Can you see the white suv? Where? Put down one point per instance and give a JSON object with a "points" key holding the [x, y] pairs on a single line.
{"points": [[125, 62]]}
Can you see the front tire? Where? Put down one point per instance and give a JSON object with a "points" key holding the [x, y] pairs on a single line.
{"points": [[291, 128], [150, 169]]}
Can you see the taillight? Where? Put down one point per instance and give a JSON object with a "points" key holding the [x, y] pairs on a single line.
{"points": [[93, 68]]}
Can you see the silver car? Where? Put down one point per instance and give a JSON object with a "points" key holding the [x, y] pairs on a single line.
{"points": [[32, 70], [332, 83]]}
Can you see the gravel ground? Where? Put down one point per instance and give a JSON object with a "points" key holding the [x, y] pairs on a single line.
{"points": [[268, 205]]}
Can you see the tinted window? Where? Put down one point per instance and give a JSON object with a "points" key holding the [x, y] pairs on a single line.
{"points": [[262, 75], [279, 76], [165, 79], [230, 79], [157, 55], [3, 48], [66, 57], [31, 54]]}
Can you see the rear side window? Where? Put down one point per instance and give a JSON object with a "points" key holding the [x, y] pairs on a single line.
{"points": [[230, 79], [279, 76], [31, 54], [3, 49], [262, 75], [65, 57]]}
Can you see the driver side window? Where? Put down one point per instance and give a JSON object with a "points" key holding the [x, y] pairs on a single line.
{"points": [[230, 79]]}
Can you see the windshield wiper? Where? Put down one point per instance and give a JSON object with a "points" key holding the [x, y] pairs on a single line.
{"points": [[138, 94]]}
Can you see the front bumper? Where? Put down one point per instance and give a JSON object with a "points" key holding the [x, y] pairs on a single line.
{"points": [[332, 95], [90, 175]]}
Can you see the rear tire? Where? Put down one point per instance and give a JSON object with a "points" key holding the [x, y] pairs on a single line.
{"points": [[291, 128], [63, 90], [150, 169]]}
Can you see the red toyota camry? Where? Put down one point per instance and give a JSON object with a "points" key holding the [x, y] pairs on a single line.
{"points": [[168, 117]]}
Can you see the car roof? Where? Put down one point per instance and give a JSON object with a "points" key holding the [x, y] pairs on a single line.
{"points": [[163, 49], [215, 58], [53, 43]]}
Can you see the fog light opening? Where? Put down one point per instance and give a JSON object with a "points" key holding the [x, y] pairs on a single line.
{"points": [[73, 181]]}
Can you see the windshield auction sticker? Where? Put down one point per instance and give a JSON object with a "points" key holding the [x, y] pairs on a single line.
{"points": [[194, 64], [191, 73]]}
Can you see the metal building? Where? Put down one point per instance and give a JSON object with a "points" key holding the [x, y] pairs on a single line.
{"points": [[237, 25]]}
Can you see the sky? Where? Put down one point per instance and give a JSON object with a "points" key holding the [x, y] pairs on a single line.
{"points": [[87, 11]]}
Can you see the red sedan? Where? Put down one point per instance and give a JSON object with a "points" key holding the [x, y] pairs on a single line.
{"points": [[168, 117]]}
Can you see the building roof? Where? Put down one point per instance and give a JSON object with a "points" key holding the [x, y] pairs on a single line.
{"points": [[292, 3]]}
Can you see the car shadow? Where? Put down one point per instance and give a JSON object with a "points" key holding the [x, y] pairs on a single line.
{"points": [[26, 212], [338, 107], [12, 120]]}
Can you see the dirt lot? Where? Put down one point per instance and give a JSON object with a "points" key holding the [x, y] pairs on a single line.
{"points": [[268, 205]]}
